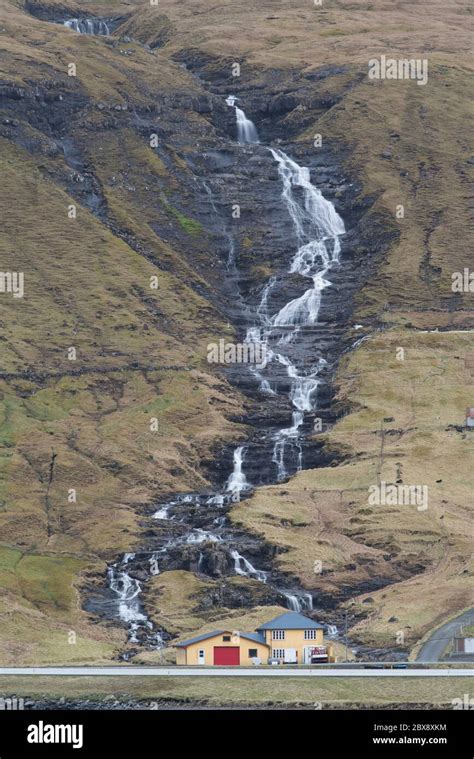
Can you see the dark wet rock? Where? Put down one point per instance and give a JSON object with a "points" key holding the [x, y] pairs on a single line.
{"points": [[232, 596], [282, 104], [12, 92]]}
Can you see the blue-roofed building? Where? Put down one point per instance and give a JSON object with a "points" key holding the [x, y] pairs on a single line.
{"points": [[290, 638], [292, 620]]}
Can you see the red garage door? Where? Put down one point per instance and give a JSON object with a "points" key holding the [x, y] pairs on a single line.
{"points": [[226, 655]]}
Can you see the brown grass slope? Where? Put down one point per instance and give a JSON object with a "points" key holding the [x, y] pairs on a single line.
{"points": [[84, 424], [408, 146]]}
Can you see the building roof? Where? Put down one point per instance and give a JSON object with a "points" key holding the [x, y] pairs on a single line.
{"points": [[256, 637], [291, 621]]}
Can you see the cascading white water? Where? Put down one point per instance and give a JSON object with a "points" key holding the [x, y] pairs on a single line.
{"points": [[262, 309], [127, 590], [243, 567], [317, 228], [153, 561], [300, 602], [237, 481], [201, 536], [161, 513], [309, 600], [216, 500], [200, 562], [246, 129], [292, 602], [88, 26], [282, 437]]}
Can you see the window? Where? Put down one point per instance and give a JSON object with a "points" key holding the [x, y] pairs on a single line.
{"points": [[278, 635], [310, 634], [253, 652], [226, 638], [278, 653]]}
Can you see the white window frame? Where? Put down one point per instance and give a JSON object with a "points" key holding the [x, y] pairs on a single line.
{"points": [[310, 634], [278, 653], [278, 635]]}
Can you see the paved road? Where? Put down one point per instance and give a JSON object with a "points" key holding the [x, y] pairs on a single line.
{"points": [[435, 645], [134, 671]]}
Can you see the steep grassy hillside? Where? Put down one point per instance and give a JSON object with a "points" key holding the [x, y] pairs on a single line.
{"points": [[82, 421], [84, 424], [404, 428]]}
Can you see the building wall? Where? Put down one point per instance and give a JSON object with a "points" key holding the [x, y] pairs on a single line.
{"points": [[464, 645], [294, 639], [191, 653]]}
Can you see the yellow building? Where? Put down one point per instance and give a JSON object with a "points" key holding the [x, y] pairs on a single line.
{"points": [[290, 638]]}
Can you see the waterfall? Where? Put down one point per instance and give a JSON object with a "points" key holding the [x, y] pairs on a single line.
{"points": [[237, 481], [246, 129], [282, 438], [200, 561], [300, 602], [317, 228], [201, 536], [127, 590], [309, 600], [243, 567], [262, 308], [89, 26], [154, 568], [315, 218], [216, 500], [292, 602], [161, 513]]}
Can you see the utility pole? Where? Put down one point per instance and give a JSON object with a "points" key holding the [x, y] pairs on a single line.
{"points": [[346, 616], [345, 633]]}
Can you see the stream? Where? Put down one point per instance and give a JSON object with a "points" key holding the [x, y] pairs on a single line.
{"points": [[195, 532], [91, 26]]}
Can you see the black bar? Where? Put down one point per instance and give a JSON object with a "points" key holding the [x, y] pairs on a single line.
{"points": [[116, 733]]}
